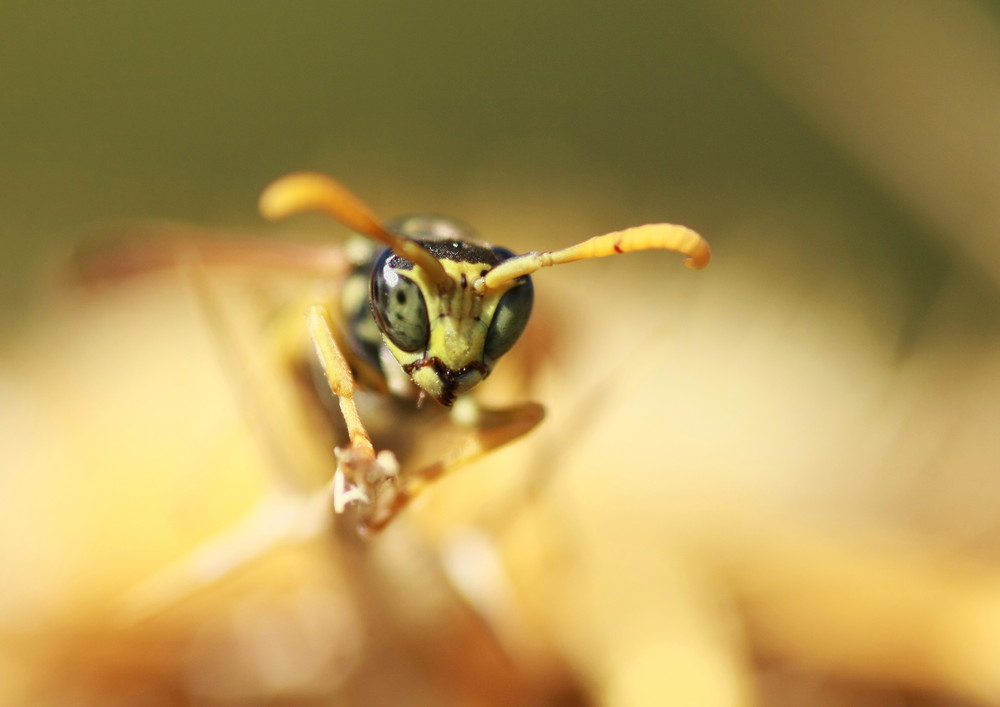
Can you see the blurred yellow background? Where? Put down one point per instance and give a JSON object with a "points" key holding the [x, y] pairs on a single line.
{"points": [[786, 464]]}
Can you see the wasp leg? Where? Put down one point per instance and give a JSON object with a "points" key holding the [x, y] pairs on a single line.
{"points": [[472, 432], [361, 473]]}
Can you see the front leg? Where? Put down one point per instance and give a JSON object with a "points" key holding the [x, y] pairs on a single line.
{"points": [[361, 473]]}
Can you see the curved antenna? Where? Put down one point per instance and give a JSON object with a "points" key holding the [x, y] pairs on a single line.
{"points": [[310, 191], [653, 236]]}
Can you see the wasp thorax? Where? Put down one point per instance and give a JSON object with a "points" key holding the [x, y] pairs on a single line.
{"points": [[446, 336]]}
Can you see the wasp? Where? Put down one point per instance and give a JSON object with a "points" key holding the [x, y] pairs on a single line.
{"points": [[429, 315], [412, 315]]}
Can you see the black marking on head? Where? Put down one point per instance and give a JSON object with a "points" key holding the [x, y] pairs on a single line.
{"points": [[450, 250], [449, 377]]}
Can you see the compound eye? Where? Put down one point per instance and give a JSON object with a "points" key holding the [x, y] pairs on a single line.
{"points": [[398, 305], [511, 315], [502, 253]]}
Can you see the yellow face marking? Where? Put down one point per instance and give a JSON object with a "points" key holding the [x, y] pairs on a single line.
{"points": [[453, 360]]}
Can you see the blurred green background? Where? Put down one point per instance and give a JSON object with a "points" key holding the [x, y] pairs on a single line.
{"points": [[181, 110]]}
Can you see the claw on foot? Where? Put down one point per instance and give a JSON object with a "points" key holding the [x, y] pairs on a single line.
{"points": [[359, 477]]}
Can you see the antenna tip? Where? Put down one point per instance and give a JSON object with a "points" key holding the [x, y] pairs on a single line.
{"points": [[699, 256], [298, 192]]}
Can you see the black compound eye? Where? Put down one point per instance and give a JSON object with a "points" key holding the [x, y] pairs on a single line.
{"points": [[502, 253], [511, 315], [398, 305]]}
